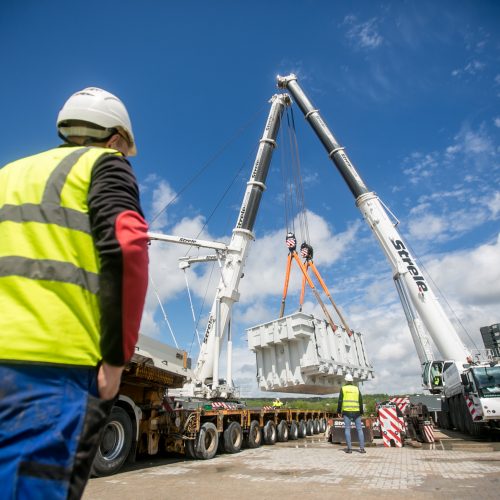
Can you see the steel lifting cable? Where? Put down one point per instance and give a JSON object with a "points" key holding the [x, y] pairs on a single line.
{"points": [[221, 198], [442, 295], [202, 306], [289, 225], [297, 175], [192, 308], [163, 311], [211, 160], [306, 249]]}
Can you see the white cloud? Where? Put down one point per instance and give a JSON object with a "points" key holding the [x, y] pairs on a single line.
{"points": [[471, 68], [162, 195], [363, 35], [496, 121], [426, 224], [420, 165], [470, 276], [265, 268], [427, 227], [493, 203]]}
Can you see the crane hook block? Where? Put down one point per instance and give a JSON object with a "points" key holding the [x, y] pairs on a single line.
{"points": [[306, 251], [291, 241]]}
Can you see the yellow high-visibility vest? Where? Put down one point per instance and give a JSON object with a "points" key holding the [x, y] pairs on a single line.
{"points": [[49, 267], [350, 398]]}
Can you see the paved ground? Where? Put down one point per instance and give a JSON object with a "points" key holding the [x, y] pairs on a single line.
{"points": [[314, 469]]}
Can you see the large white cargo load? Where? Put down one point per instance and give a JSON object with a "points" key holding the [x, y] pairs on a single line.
{"points": [[301, 354]]}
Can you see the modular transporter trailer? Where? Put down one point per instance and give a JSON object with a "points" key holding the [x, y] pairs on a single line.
{"points": [[146, 419]]}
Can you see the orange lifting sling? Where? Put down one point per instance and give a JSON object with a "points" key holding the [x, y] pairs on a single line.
{"points": [[307, 253]]}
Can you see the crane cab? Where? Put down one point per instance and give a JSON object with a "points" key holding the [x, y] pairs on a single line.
{"points": [[432, 376]]}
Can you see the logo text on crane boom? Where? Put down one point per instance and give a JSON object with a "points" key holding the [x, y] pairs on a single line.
{"points": [[410, 265]]}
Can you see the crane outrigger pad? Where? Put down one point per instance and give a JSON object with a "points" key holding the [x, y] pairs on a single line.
{"points": [[301, 354]]}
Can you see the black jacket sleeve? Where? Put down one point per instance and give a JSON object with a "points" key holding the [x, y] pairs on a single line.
{"points": [[120, 236]]}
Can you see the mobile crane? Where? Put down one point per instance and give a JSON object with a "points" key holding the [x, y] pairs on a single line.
{"points": [[162, 403], [470, 388]]}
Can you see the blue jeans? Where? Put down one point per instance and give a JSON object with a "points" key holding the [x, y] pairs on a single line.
{"points": [[50, 420], [357, 422]]}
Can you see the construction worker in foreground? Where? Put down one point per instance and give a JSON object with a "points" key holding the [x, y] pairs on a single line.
{"points": [[350, 405], [73, 279]]}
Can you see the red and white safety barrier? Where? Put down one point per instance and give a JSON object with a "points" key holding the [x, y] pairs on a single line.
{"points": [[401, 403], [390, 426], [428, 432], [220, 405], [472, 408]]}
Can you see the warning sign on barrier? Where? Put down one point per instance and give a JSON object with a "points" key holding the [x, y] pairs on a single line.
{"points": [[390, 426]]}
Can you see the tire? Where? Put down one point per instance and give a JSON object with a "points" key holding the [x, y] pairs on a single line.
{"points": [[115, 444], [460, 406], [293, 433], [473, 428], [207, 442], [233, 438], [322, 425], [444, 420], [302, 429], [282, 431], [189, 449], [316, 426], [310, 427], [270, 434], [254, 437], [453, 413]]}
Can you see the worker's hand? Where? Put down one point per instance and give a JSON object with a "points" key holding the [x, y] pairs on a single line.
{"points": [[108, 380]]}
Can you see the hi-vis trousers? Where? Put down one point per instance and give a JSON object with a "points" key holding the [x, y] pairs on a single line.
{"points": [[50, 423]]}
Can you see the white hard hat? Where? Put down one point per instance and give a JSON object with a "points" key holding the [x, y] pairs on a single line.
{"points": [[348, 377], [95, 106]]}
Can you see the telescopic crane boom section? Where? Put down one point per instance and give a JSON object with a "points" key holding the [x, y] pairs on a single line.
{"points": [[403, 264], [206, 371]]}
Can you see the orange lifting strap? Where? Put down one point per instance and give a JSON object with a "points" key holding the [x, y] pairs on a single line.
{"points": [[307, 253]]}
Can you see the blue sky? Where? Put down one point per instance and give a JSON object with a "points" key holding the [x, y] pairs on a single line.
{"points": [[411, 89]]}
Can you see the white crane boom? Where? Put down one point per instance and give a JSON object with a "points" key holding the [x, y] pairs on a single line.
{"points": [[402, 262], [206, 373]]}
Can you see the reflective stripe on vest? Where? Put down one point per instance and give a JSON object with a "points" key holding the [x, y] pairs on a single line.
{"points": [[350, 398], [49, 268]]}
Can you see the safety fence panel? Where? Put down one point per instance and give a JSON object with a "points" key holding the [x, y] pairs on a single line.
{"points": [[390, 426]]}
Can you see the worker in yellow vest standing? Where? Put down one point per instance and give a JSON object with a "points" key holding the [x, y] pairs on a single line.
{"points": [[350, 405], [73, 279]]}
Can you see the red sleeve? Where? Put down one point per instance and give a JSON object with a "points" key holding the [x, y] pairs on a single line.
{"points": [[131, 233]]}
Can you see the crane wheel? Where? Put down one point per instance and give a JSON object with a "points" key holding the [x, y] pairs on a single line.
{"points": [[115, 444], [293, 433], [254, 437], [189, 448], [310, 427], [270, 432], [282, 431], [316, 426], [302, 429], [208, 441], [233, 438]]}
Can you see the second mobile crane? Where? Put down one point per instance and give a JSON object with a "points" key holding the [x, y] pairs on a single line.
{"points": [[470, 387]]}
